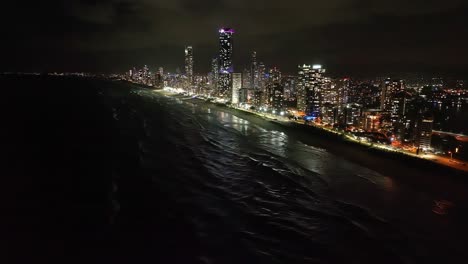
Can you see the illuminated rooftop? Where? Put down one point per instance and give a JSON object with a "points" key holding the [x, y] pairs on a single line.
{"points": [[226, 30]]}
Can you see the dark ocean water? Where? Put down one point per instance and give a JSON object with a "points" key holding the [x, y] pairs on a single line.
{"points": [[110, 172]]}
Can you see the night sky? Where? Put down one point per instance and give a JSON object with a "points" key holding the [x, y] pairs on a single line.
{"points": [[346, 36]]}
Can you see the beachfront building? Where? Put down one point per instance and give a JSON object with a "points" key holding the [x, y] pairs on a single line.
{"points": [[189, 64], [309, 89], [236, 86], [424, 134], [225, 62]]}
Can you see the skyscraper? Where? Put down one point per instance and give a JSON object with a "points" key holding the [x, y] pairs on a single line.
{"points": [[303, 85], [246, 78], [424, 133], [389, 89], [261, 90], [215, 73], [290, 92], [189, 63], [161, 71], [225, 50], [236, 86], [310, 83], [225, 61], [254, 71], [275, 90]]}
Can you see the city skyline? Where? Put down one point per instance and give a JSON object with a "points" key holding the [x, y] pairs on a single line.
{"points": [[235, 131], [348, 36]]}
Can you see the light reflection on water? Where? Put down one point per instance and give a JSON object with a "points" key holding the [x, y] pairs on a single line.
{"points": [[348, 181], [333, 169], [239, 124]]}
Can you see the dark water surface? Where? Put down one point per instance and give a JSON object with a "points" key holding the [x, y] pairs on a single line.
{"points": [[102, 171]]}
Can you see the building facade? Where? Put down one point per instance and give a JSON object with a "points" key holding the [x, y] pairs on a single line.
{"points": [[254, 71], [309, 92], [236, 86], [424, 134], [275, 91], [225, 62], [189, 64]]}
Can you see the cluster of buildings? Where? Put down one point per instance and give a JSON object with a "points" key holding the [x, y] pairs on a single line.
{"points": [[396, 109]]}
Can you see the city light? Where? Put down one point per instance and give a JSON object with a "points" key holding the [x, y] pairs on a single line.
{"points": [[370, 111]]}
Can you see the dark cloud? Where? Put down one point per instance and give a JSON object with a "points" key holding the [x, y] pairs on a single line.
{"points": [[346, 35]]}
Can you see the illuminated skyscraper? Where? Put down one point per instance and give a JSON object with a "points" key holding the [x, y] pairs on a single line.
{"points": [[424, 133], [158, 80], [329, 92], [385, 86], [261, 84], [275, 91], [246, 78], [310, 82], [254, 71], [290, 92], [225, 50], [236, 86], [389, 89], [189, 63], [215, 73], [303, 85], [225, 61], [145, 72]]}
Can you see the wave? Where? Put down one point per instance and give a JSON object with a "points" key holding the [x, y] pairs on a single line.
{"points": [[235, 190]]}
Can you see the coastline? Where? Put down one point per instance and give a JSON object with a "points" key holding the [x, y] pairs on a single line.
{"points": [[339, 144]]}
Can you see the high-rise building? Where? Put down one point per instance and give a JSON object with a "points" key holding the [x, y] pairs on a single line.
{"points": [[246, 79], [145, 72], [236, 86], [158, 80], [189, 63], [243, 95], [225, 50], [424, 134], [254, 71], [342, 91], [393, 100], [129, 75], [224, 85], [225, 61], [389, 89], [303, 85], [261, 78], [329, 92], [275, 91], [161, 71], [310, 83], [257, 98], [214, 73], [290, 92], [352, 114]]}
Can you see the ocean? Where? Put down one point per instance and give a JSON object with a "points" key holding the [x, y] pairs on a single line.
{"points": [[107, 171]]}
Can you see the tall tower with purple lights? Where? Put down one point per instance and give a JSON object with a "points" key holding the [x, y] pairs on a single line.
{"points": [[225, 62]]}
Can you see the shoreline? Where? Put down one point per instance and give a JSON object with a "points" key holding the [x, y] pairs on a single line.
{"points": [[338, 143]]}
